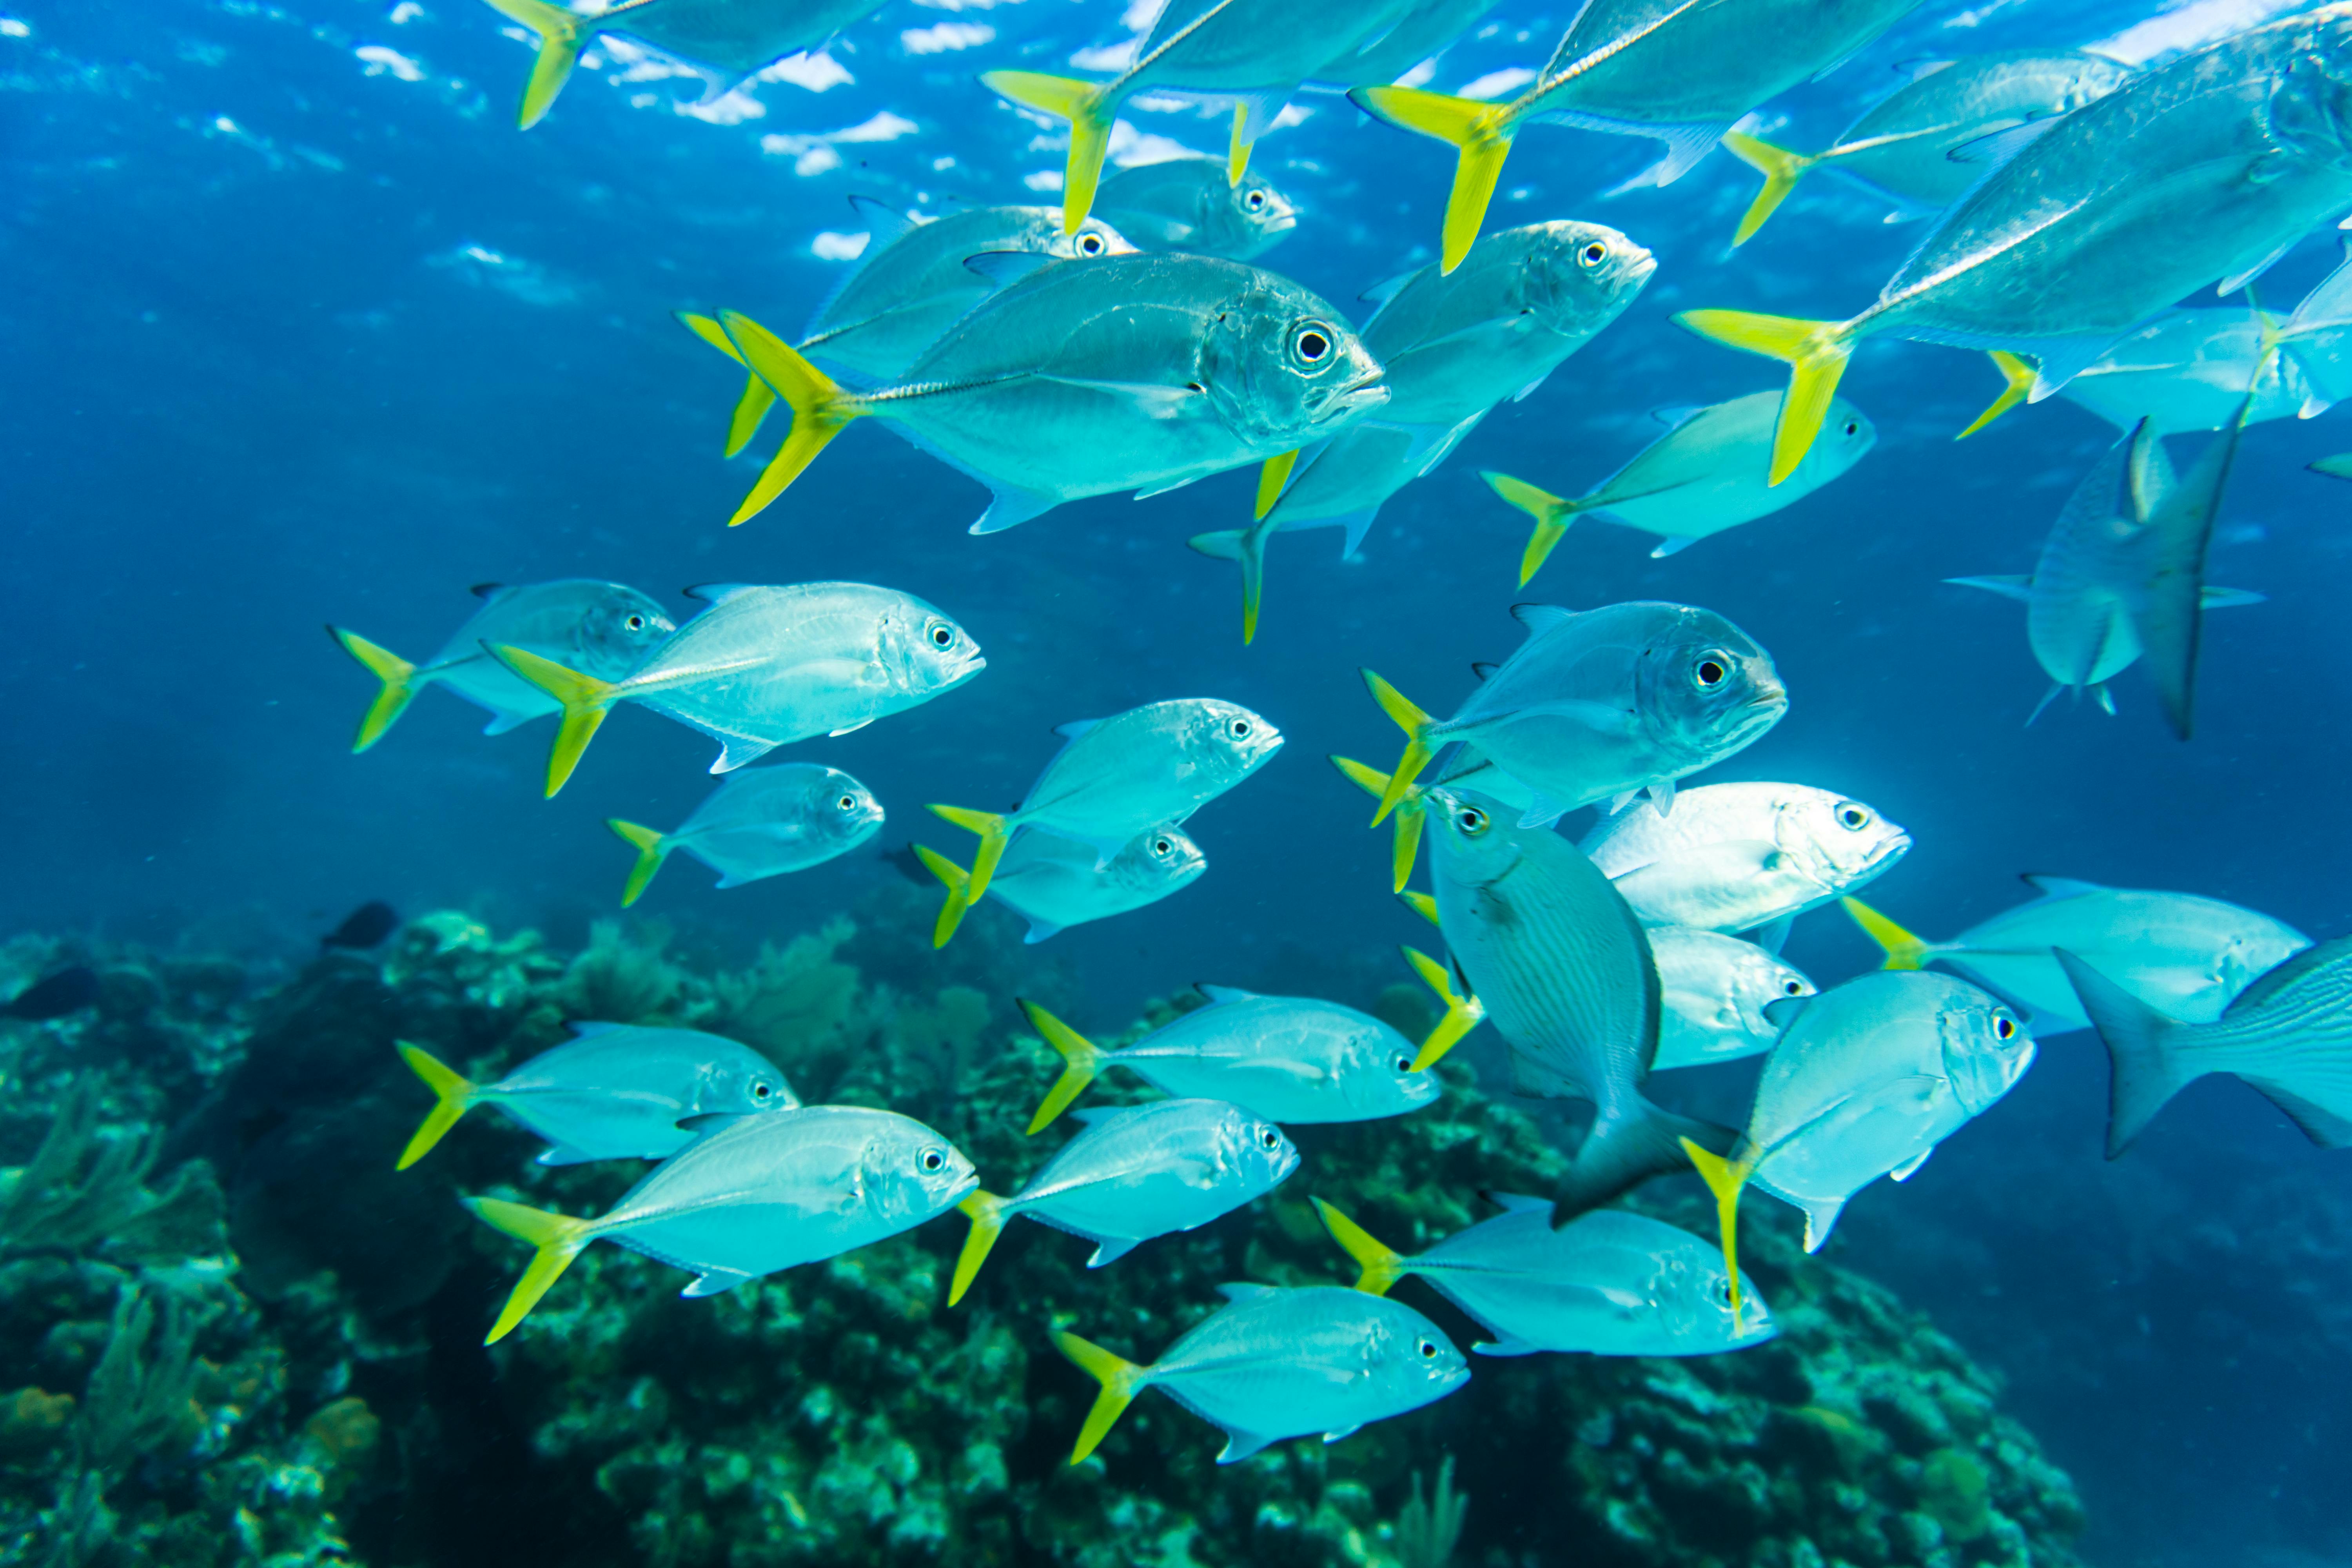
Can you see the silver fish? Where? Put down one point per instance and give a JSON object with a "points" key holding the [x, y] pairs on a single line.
{"points": [[1290, 1059], [1710, 471], [1134, 1174], [764, 667], [2188, 957], [2289, 1035], [1713, 990], [761, 1194], [1188, 203], [2207, 168], [1119, 776], [762, 822], [613, 1091], [1597, 704], [1278, 1364], [1901, 150], [1134, 373], [599, 629], [1739, 857], [1054, 882], [1607, 1283], [1424, 30]]}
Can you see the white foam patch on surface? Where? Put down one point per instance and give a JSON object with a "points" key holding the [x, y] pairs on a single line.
{"points": [[485, 267], [1129, 148], [11, 28], [945, 37], [1111, 57], [2189, 25], [1044, 180], [1494, 84], [382, 61], [815, 154], [815, 72], [732, 107], [407, 11], [829, 246]]}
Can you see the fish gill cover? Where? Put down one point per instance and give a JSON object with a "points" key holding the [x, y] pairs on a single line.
{"points": [[1385, 309]]}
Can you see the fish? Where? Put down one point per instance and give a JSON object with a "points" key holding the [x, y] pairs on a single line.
{"points": [[762, 822], [1116, 777], [2190, 370], [1134, 373], [1275, 1364], [2205, 168], [1451, 347], [1902, 149], [1134, 1174], [1457, 764], [1188, 203], [910, 286], [2090, 587], [363, 928], [2288, 1035], [601, 629], [1679, 71], [1424, 30], [1252, 53], [1563, 970], [67, 990], [761, 1194], [2187, 956], [1600, 703], [733, 39], [1712, 989], [1292, 1060], [1708, 472], [1868, 1077], [613, 1091], [1733, 857], [1607, 1283], [1054, 882], [765, 667]]}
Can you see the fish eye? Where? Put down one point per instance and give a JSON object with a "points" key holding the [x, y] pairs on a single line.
{"points": [[1268, 1139], [1594, 254], [761, 1089], [1792, 988], [1405, 1064], [1254, 201], [942, 634], [847, 803], [636, 623], [1710, 671], [1471, 820], [1854, 426], [2004, 1028], [1852, 816], [1312, 344], [1428, 1349], [1721, 1291], [1163, 846], [933, 1161], [1090, 245], [1239, 729]]}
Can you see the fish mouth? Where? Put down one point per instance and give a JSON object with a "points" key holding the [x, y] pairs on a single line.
{"points": [[1368, 391], [1279, 223], [1643, 265], [1888, 851], [960, 673]]}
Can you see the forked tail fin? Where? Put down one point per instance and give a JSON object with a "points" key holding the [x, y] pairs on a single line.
{"points": [[1903, 950], [757, 396], [986, 1212], [1781, 169], [585, 699], [561, 33], [1724, 1178], [391, 697], [559, 1237], [820, 409], [1120, 1379], [2146, 1069], [1815, 351], [1417, 750], [1463, 1014], [1552, 514], [1381, 1267], [652, 847], [993, 836], [1481, 134], [451, 1095], [2017, 384], [1088, 107], [1081, 1057], [958, 882]]}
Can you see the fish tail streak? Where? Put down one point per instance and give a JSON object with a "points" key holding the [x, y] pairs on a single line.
{"points": [[820, 409], [757, 396], [987, 1212], [585, 700], [993, 836], [561, 33], [453, 1094], [1421, 904], [1903, 950], [1463, 1014], [1380, 1265], [653, 849], [1479, 132], [1374, 783], [1815, 351], [559, 1237], [1082, 1058], [2017, 383], [2143, 1052], [1417, 752], [1088, 109], [957, 881], [1781, 169], [1247, 546], [392, 698], [1724, 1178], [1552, 514], [1122, 1380]]}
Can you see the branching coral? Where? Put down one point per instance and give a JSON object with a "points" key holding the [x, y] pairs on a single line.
{"points": [[140, 1403], [622, 976], [1427, 1528], [82, 1186]]}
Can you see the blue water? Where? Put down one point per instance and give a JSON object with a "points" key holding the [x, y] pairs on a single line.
{"points": [[299, 329]]}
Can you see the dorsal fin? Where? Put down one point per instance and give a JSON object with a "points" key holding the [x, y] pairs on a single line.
{"points": [[718, 593], [883, 221], [1074, 728], [1539, 618], [1674, 415], [1004, 267], [1484, 669], [1242, 1291], [487, 589], [1224, 993]]}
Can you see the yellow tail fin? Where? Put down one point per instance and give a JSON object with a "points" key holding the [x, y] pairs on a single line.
{"points": [[1082, 1058], [1237, 153], [757, 396], [1724, 1178], [1781, 170], [1247, 546], [820, 409], [561, 33], [453, 1094], [393, 699], [1903, 951], [1816, 353], [559, 1237], [1381, 1266], [1120, 1378], [1481, 132], [1552, 514], [1421, 904], [653, 849], [585, 701], [986, 1212], [1088, 109], [1463, 1014], [1409, 817], [2017, 376], [1272, 475], [1417, 752], [993, 836], [958, 882]]}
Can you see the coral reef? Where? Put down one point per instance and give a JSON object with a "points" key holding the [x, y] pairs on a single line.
{"points": [[308, 1383]]}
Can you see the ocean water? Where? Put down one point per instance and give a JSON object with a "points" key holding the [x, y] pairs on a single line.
{"points": [[300, 328]]}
